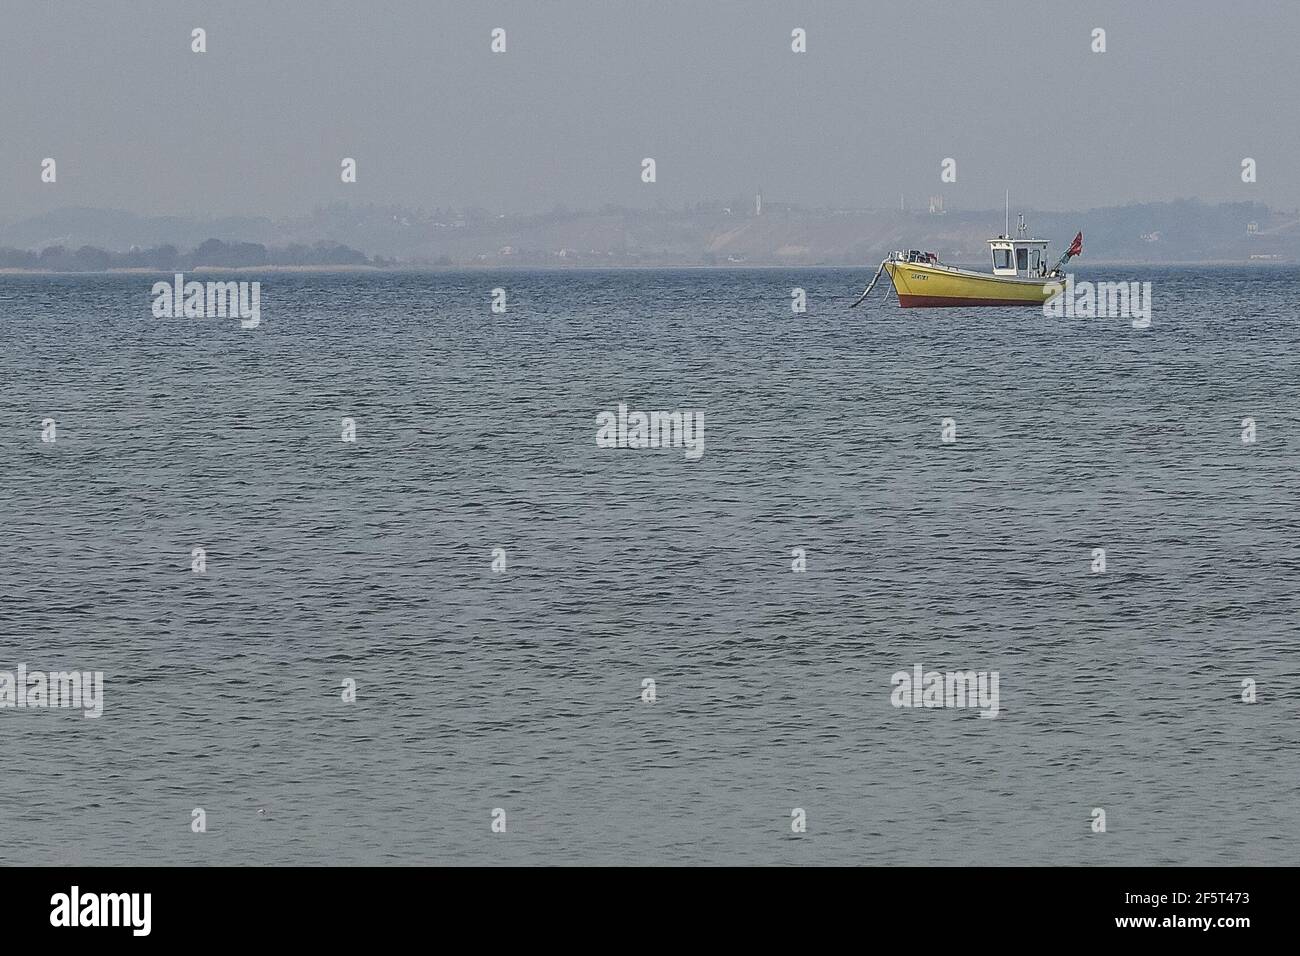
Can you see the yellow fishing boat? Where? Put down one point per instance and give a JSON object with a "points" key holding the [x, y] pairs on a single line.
{"points": [[1020, 275]]}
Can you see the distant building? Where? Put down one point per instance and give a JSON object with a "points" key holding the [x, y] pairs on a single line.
{"points": [[936, 206], [1252, 228]]}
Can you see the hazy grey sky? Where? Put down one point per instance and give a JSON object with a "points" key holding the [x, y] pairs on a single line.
{"points": [[587, 88]]}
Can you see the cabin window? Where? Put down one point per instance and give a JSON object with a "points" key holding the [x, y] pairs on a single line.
{"points": [[1033, 260], [1022, 259], [1001, 258]]}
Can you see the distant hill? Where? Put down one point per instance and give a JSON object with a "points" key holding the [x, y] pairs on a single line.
{"points": [[718, 233]]}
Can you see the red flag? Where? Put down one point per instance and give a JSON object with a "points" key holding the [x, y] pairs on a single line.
{"points": [[1076, 247]]}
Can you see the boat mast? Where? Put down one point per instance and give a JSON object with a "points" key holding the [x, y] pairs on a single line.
{"points": [[1006, 221]]}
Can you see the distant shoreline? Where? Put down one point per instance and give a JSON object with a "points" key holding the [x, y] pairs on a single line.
{"points": [[343, 238], [675, 267], [137, 270]]}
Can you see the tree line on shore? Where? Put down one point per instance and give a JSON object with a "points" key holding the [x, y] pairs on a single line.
{"points": [[213, 253]]}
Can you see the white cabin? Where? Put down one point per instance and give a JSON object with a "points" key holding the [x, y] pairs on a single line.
{"points": [[1026, 258], [1022, 257]]}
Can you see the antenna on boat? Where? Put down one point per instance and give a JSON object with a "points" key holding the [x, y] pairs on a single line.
{"points": [[1006, 222]]}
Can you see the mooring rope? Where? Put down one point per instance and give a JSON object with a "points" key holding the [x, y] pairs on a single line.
{"points": [[870, 285]]}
